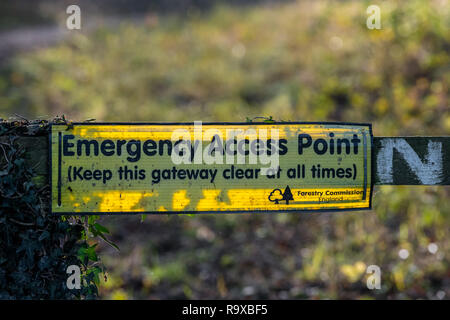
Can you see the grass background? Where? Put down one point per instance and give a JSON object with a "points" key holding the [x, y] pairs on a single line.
{"points": [[298, 61]]}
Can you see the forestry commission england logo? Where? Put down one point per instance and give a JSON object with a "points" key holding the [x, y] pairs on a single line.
{"points": [[277, 195]]}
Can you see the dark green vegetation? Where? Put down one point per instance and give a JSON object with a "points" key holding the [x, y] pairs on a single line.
{"points": [[313, 60], [35, 247]]}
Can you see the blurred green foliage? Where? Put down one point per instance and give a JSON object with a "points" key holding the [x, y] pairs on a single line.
{"points": [[306, 60], [303, 61]]}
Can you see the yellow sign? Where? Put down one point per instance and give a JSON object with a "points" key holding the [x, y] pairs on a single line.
{"points": [[111, 168]]}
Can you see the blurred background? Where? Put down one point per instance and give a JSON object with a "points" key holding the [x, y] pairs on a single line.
{"points": [[219, 60]]}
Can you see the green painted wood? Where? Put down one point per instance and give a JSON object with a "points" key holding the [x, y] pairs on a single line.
{"points": [[397, 160], [412, 160]]}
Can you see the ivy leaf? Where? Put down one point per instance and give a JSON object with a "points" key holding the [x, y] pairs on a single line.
{"points": [[44, 235], [101, 228]]}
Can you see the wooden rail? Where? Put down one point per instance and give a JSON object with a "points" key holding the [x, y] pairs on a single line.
{"points": [[396, 161]]}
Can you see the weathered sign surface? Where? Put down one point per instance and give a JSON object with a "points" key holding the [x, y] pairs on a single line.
{"points": [[211, 167]]}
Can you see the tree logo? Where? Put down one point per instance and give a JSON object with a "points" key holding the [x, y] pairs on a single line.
{"points": [[277, 195]]}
